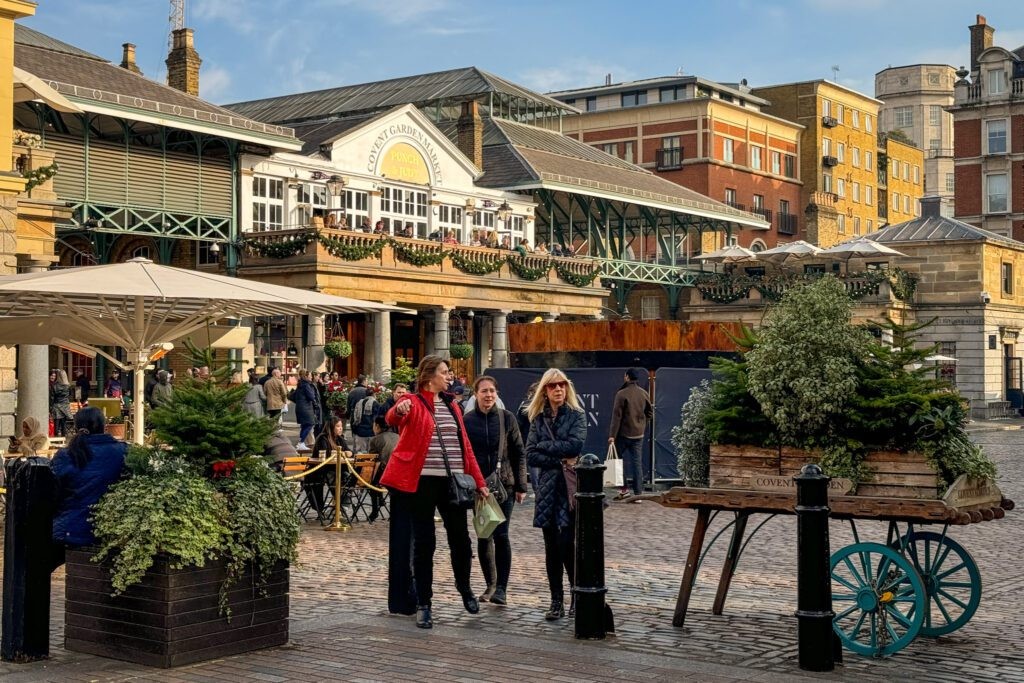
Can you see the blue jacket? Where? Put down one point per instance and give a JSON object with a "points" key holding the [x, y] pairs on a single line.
{"points": [[569, 429], [78, 490], [307, 403]]}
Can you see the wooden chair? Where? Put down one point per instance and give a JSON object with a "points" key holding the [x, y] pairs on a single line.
{"points": [[289, 467], [363, 467]]}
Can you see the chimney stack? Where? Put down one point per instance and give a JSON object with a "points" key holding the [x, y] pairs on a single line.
{"points": [[183, 63], [471, 133], [981, 40], [931, 206], [128, 59]]}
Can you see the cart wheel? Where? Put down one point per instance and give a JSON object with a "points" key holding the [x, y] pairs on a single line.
{"points": [[952, 582], [878, 599]]}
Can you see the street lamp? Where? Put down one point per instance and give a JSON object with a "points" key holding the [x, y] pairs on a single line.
{"points": [[335, 185], [504, 212]]}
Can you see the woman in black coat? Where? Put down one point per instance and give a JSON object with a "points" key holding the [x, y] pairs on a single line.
{"points": [[558, 429], [498, 446], [307, 408], [60, 403]]}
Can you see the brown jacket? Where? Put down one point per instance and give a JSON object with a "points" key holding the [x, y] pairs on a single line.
{"points": [[277, 395], [631, 412]]}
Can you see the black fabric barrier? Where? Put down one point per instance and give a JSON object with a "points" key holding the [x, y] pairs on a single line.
{"points": [[672, 389]]}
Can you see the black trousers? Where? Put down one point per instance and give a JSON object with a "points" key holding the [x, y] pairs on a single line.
{"points": [[495, 553], [559, 554], [412, 514]]}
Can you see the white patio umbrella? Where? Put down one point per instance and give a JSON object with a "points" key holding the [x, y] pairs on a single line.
{"points": [[790, 250], [140, 306], [860, 247], [939, 358], [730, 254]]}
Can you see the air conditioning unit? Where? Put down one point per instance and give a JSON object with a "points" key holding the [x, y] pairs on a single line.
{"points": [[829, 121], [829, 161]]}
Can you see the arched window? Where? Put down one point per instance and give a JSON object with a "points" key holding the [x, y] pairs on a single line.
{"points": [[141, 252], [757, 245]]}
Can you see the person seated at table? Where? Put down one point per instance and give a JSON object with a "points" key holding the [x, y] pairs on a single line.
{"points": [[329, 441], [506, 243], [32, 440], [332, 222], [84, 470], [449, 237], [541, 248]]}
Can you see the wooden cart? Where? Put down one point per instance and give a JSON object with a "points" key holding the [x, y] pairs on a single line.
{"points": [[884, 595]]}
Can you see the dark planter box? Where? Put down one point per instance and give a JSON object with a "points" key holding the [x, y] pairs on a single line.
{"points": [[173, 617]]}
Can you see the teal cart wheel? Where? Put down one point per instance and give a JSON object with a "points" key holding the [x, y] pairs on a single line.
{"points": [[878, 599], [952, 582]]}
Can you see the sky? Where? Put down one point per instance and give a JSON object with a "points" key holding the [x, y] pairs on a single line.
{"points": [[261, 48]]}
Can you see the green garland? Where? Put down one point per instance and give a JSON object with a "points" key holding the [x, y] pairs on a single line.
{"points": [[575, 279], [485, 266], [723, 289], [518, 266], [40, 175], [416, 257], [352, 252], [902, 284], [281, 250]]}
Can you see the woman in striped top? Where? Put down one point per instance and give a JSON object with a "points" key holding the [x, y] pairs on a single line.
{"points": [[430, 427]]}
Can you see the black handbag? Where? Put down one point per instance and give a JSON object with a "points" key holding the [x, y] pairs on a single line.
{"points": [[461, 486], [493, 480]]}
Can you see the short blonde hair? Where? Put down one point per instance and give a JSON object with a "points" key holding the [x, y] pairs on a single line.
{"points": [[540, 397]]}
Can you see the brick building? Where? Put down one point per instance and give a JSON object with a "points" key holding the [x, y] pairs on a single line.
{"points": [[988, 115], [710, 137], [900, 180]]}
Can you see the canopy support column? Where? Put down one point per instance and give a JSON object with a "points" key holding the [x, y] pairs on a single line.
{"points": [[32, 371], [140, 357]]}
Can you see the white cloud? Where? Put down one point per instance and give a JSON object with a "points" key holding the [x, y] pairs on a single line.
{"points": [[214, 82], [845, 6], [576, 74], [391, 11]]}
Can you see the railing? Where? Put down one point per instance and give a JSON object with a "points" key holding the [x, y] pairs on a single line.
{"points": [[786, 223], [736, 205], [939, 153], [725, 288], [669, 159], [762, 212], [975, 91]]}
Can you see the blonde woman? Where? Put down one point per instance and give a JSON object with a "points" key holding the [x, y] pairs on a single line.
{"points": [[558, 429]]}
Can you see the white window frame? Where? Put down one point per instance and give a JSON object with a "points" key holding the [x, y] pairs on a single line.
{"points": [[309, 198], [611, 148], [856, 225], [869, 195], [903, 117], [842, 224], [841, 187], [989, 124], [450, 218], [906, 170], [869, 159], [855, 118], [840, 113], [727, 150], [776, 159], [855, 194], [1005, 205], [400, 205], [894, 202], [826, 182], [906, 203], [628, 149], [267, 204], [935, 115], [826, 147], [917, 174], [826, 107], [755, 157], [855, 157], [867, 122], [841, 152], [950, 182], [996, 81], [357, 207]]}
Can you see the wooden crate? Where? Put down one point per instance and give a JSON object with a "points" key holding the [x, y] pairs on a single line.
{"points": [[894, 475], [173, 616]]}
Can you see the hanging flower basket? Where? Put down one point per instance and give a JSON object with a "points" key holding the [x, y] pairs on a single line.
{"points": [[338, 349], [461, 351]]}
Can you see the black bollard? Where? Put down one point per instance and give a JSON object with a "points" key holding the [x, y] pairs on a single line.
{"points": [[28, 560], [814, 580], [593, 617]]}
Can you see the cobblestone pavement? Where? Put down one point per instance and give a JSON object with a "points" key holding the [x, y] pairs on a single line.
{"points": [[340, 629]]}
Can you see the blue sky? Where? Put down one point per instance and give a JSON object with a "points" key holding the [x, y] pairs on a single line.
{"points": [[260, 48]]}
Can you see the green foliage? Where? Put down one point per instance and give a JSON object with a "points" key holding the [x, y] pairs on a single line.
{"points": [[172, 511], [351, 252], [734, 415], [517, 264], [575, 279], [478, 265], [338, 348], [423, 256], [337, 399], [404, 372], [38, 176], [803, 369], [691, 439], [902, 284], [295, 245], [458, 351]]}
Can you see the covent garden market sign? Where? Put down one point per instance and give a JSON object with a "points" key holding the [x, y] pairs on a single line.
{"points": [[402, 161]]}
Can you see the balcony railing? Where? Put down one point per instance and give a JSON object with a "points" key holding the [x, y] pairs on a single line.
{"points": [[669, 159], [975, 91], [874, 285], [786, 223], [735, 205], [939, 153], [762, 212]]}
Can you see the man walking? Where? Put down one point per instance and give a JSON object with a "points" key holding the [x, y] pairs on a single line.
{"points": [[630, 416], [277, 395]]}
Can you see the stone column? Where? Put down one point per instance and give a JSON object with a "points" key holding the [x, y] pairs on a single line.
{"points": [[316, 361], [483, 332], [382, 346], [441, 340], [428, 332], [33, 365], [499, 339]]}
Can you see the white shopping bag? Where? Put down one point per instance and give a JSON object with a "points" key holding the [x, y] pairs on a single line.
{"points": [[613, 476]]}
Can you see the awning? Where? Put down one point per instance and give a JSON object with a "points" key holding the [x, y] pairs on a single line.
{"points": [[29, 88]]}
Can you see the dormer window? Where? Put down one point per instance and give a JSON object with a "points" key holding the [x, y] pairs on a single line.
{"points": [[996, 81]]}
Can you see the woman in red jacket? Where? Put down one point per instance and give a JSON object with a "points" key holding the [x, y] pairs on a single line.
{"points": [[430, 428]]}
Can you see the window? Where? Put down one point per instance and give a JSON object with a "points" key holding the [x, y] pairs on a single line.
{"points": [[1007, 278], [903, 117], [906, 203], [906, 170], [996, 81], [871, 225], [310, 200], [856, 192], [856, 157], [627, 154], [995, 133], [610, 148], [826, 147], [672, 93], [650, 308], [868, 195], [839, 113], [868, 161], [634, 98], [842, 224], [935, 115], [141, 252], [267, 204], [856, 225], [917, 174], [841, 187], [727, 150], [995, 191], [867, 122], [404, 209], [730, 196], [826, 108], [450, 218], [935, 144], [670, 156], [826, 182], [894, 201], [841, 152], [776, 159], [357, 207], [755, 157], [790, 166], [784, 207], [592, 104], [483, 219], [895, 169], [856, 118], [758, 202], [204, 256], [950, 182]]}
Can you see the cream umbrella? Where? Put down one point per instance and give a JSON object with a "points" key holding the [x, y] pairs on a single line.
{"points": [[141, 306], [731, 254], [789, 250], [859, 247]]}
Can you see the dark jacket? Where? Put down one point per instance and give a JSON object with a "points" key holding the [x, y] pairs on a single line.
{"points": [[483, 431], [78, 490], [307, 403], [84, 385], [630, 413], [363, 427], [569, 428], [60, 401], [357, 394], [322, 449]]}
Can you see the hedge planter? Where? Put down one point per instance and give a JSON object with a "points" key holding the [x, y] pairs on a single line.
{"points": [[173, 616]]}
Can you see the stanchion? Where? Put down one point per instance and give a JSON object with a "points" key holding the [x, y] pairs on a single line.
{"points": [[593, 617], [338, 524], [814, 581]]}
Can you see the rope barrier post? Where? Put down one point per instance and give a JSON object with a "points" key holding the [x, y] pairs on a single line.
{"points": [[338, 525]]}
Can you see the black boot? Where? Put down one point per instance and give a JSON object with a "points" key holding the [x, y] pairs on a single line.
{"points": [[470, 602], [498, 597], [423, 617], [556, 611]]}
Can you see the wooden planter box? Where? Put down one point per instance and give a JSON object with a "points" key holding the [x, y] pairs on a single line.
{"points": [[895, 475], [173, 617]]}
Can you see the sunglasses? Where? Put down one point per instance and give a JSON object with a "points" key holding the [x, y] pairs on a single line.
{"points": [[556, 385]]}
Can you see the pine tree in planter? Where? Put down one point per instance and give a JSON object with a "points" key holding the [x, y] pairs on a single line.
{"points": [[201, 531]]}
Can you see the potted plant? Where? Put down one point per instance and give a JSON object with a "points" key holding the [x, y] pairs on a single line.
{"points": [[115, 427], [338, 348], [194, 545], [404, 372], [337, 401], [461, 350]]}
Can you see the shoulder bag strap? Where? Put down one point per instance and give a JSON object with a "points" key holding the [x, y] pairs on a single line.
{"points": [[440, 439], [502, 445]]}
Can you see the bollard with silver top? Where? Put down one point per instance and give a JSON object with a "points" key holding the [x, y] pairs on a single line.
{"points": [[593, 616], [814, 579]]}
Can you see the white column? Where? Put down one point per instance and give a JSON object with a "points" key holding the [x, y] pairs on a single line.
{"points": [[483, 331], [499, 339], [382, 346], [441, 340], [32, 371], [316, 361]]}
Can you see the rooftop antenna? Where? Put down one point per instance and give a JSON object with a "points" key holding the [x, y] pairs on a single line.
{"points": [[679, 71], [175, 21], [835, 73]]}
